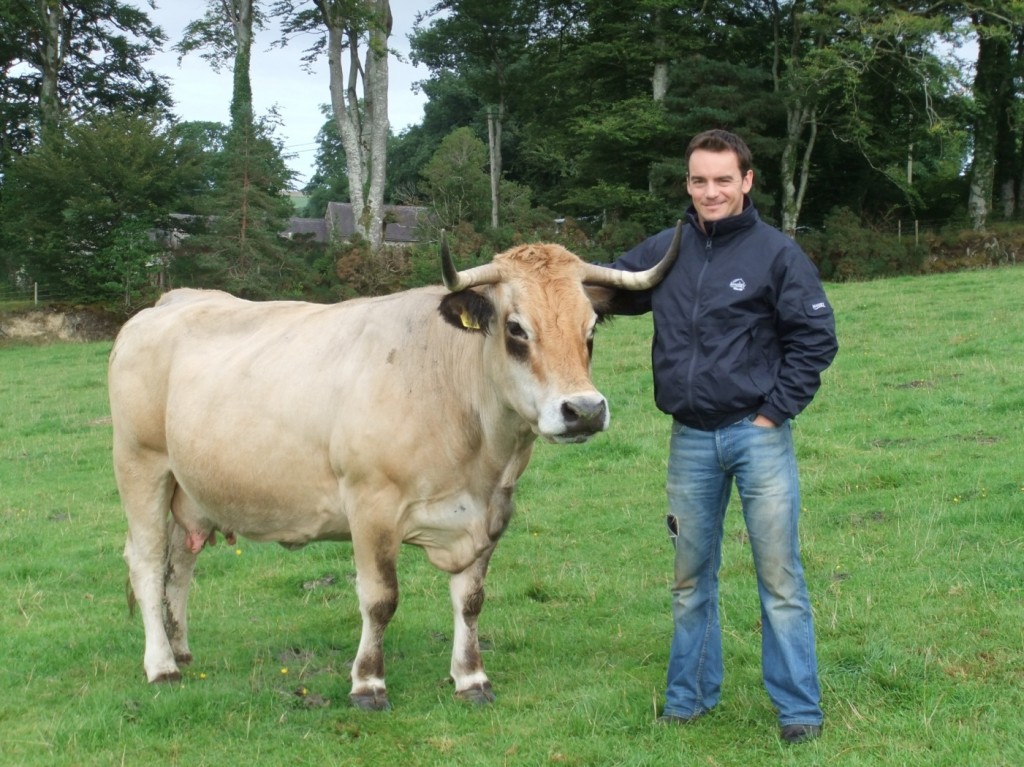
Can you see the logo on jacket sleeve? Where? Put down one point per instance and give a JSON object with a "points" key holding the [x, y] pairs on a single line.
{"points": [[818, 306], [738, 285]]}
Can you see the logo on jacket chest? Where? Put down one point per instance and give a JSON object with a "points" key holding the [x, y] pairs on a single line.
{"points": [[738, 285]]}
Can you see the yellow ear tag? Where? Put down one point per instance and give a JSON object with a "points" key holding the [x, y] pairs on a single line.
{"points": [[468, 322]]}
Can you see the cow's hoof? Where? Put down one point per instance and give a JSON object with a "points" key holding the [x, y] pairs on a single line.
{"points": [[166, 676], [372, 700], [183, 659], [478, 694]]}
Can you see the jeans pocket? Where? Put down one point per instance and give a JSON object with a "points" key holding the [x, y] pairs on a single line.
{"points": [[749, 420]]}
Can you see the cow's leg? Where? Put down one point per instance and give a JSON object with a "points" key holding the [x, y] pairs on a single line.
{"points": [[180, 564], [467, 590], [146, 487], [376, 552]]}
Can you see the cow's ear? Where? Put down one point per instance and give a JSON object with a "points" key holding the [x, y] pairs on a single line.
{"points": [[607, 302], [467, 310]]}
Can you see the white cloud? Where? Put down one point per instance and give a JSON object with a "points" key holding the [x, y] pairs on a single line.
{"points": [[278, 79]]}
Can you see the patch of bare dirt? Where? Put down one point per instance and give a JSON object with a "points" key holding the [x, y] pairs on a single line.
{"points": [[53, 324]]}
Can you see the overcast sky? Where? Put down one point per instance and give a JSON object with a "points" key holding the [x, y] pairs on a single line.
{"points": [[278, 79]]}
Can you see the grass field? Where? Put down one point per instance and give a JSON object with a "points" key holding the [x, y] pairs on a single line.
{"points": [[913, 536]]}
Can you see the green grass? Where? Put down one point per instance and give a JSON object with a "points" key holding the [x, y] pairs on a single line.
{"points": [[913, 480]]}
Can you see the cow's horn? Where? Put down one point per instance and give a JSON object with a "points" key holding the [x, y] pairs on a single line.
{"points": [[616, 278], [454, 280]]}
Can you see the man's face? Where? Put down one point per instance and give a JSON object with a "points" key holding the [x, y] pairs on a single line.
{"points": [[716, 185]]}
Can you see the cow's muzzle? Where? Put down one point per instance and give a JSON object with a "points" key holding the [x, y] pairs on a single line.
{"points": [[582, 418]]}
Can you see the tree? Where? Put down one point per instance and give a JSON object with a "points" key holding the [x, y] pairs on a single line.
{"points": [[486, 42], [224, 34], [626, 56], [456, 180], [345, 26], [207, 141], [247, 210], [1010, 142], [74, 208], [455, 184], [329, 182], [598, 133], [993, 97], [450, 105], [130, 259], [824, 56], [73, 57], [237, 242]]}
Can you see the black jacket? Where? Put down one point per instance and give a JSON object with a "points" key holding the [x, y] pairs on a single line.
{"points": [[741, 323]]}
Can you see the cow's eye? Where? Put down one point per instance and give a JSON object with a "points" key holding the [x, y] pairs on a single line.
{"points": [[516, 330]]}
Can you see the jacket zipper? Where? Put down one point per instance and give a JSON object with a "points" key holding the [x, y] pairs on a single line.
{"points": [[695, 341]]}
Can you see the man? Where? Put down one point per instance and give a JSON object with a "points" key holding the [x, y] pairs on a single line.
{"points": [[742, 332]]}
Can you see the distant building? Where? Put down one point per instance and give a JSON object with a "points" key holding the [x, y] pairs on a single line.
{"points": [[314, 229], [400, 222]]}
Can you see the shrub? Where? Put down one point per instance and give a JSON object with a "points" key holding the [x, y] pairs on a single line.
{"points": [[957, 249], [363, 273], [845, 249]]}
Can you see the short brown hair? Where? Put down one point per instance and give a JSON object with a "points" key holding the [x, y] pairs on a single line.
{"points": [[717, 140]]}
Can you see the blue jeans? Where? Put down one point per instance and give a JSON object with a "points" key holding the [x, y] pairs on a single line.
{"points": [[701, 468]]}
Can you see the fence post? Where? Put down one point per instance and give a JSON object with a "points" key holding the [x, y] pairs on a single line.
{"points": [[917, 232], [35, 293]]}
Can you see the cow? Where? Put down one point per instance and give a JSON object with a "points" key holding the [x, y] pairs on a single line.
{"points": [[405, 418]]}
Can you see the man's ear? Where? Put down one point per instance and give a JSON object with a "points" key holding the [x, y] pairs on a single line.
{"points": [[467, 310]]}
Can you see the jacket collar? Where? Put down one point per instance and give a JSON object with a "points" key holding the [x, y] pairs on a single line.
{"points": [[725, 226]]}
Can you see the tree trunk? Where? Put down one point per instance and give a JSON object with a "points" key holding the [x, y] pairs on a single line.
{"points": [[51, 15], [363, 137], [798, 115], [811, 117], [375, 90], [794, 178], [239, 16], [1016, 161], [1007, 164], [659, 80], [993, 62], [659, 77], [495, 117]]}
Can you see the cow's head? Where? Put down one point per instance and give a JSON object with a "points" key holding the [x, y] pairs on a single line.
{"points": [[538, 306]]}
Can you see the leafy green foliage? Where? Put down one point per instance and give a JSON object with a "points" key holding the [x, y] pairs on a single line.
{"points": [[450, 105], [68, 205], [485, 42], [456, 180], [590, 136], [68, 58], [329, 182], [846, 250], [130, 263], [590, 130], [213, 35], [236, 244], [456, 185]]}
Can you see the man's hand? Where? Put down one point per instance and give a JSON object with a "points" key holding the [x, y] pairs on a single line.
{"points": [[765, 423]]}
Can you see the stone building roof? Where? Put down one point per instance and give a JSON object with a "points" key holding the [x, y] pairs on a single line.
{"points": [[400, 224]]}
